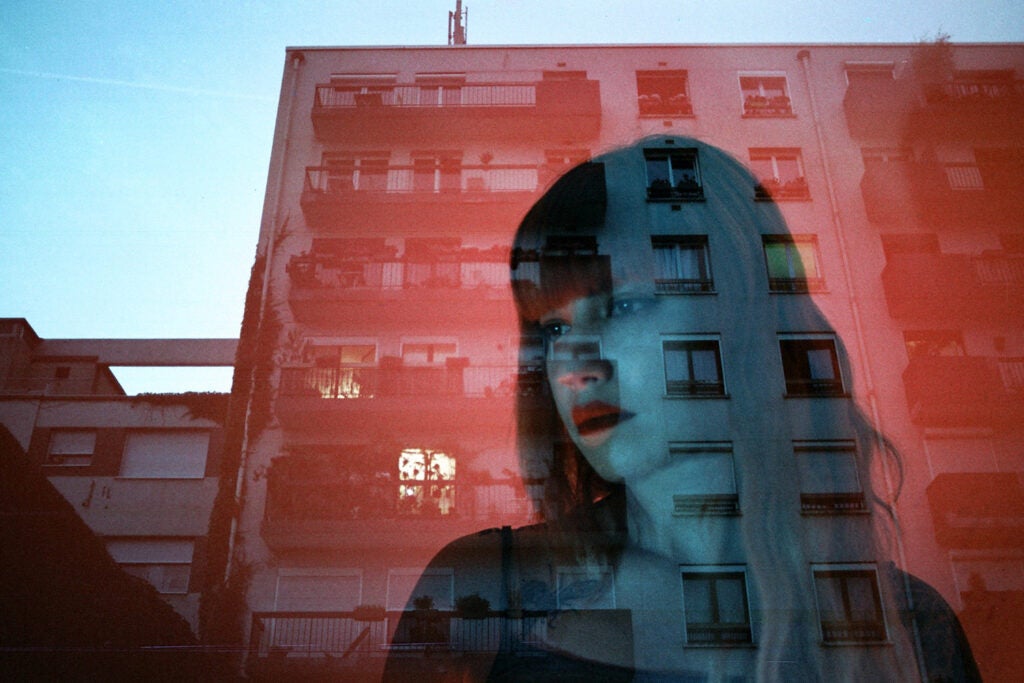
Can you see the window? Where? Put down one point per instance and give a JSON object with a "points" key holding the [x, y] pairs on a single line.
{"points": [[924, 343], [427, 483], [165, 454], [428, 353], [71, 447], [440, 89], [693, 368], [164, 563], [437, 173], [312, 589], [62, 372], [869, 73], [673, 175], [405, 585], [811, 367], [715, 606], [583, 589], [706, 479], [829, 482], [765, 96], [340, 370], [793, 265], [366, 173], [779, 172], [663, 93], [681, 265], [849, 605]]}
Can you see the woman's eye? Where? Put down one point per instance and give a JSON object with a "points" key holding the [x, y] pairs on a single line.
{"points": [[555, 329], [623, 307]]}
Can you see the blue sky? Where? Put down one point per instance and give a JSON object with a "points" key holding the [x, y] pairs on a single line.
{"points": [[135, 137]]}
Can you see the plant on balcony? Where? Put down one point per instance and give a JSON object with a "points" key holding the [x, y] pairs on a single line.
{"points": [[472, 606], [369, 613], [659, 188], [932, 59]]}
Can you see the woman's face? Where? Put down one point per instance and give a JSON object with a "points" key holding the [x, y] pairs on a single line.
{"points": [[606, 374]]}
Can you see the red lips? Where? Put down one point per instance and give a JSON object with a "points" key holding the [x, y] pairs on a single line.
{"points": [[596, 416]]}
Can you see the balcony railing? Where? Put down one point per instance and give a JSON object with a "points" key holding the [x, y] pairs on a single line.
{"points": [[393, 179], [697, 505], [760, 106], [477, 381], [339, 634], [974, 91], [718, 634], [316, 271], [419, 96], [684, 285], [832, 503], [852, 631]]}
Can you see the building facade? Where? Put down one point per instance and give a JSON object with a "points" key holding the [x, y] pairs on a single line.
{"points": [[141, 471], [384, 426]]}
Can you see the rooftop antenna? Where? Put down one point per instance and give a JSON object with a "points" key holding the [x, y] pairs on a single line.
{"points": [[458, 21]]}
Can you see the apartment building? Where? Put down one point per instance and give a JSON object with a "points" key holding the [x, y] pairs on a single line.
{"points": [[141, 471], [382, 413]]}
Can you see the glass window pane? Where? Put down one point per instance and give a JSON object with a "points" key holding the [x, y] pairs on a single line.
{"points": [[828, 472], [731, 603], [697, 595], [705, 365], [821, 364]]}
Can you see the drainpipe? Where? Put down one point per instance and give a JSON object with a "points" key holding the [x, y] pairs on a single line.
{"points": [[275, 225], [804, 56]]}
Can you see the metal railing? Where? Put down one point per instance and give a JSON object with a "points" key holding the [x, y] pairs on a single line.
{"points": [[339, 634], [975, 90], [439, 179], [425, 96], [329, 272], [476, 381]]}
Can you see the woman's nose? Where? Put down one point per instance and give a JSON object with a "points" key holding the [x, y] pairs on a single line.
{"points": [[580, 375]]}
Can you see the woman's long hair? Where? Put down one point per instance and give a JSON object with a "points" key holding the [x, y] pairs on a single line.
{"points": [[563, 249]]}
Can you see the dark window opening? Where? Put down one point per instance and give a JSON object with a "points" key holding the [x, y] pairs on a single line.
{"points": [[811, 367]]}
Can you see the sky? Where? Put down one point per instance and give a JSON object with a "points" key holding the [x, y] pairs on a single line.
{"points": [[135, 136]]}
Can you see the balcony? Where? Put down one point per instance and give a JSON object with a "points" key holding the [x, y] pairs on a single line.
{"points": [[877, 108], [965, 391], [559, 111], [888, 190], [465, 285], [977, 509], [323, 500], [486, 195], [951, 288], [970, 110], [453, 398]]}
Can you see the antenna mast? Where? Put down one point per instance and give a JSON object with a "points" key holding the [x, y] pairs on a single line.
{"points": [[458, 21]]}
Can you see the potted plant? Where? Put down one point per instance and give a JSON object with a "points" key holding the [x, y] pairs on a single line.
{"points": [[472, 606]]}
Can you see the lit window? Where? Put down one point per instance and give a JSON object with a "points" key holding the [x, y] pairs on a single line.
{"points": [[681, 264], [829, 482], [343, 370], [715, 606], [693, 368], [673, 175], [811, 367], [779, 172], [72, 447], [177, 454], [793, 265], [427, 485], [765, 96], [663, 93], [849, 605], [706, 479], [164, 563]]}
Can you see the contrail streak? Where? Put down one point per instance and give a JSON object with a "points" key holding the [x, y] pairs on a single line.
{"points": [[132, 84]]}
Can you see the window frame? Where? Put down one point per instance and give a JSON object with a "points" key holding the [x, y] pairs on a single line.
{"points": [[876, 631], [716, 633], [678, 105], [151, 570], [761, 105], [693, 388], [72, 458], [830, 502], [775, 187], [802, 385], [688, 188], [712, 503], [677, 244], [792, 284]]}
